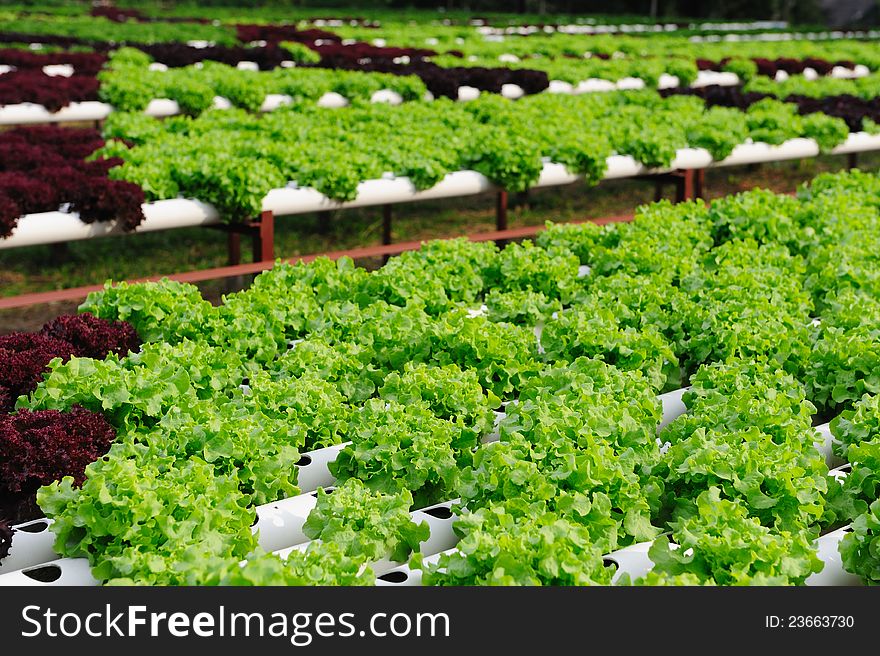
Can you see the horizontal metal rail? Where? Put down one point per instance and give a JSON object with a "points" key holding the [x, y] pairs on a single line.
{"points": [[201, 275]]}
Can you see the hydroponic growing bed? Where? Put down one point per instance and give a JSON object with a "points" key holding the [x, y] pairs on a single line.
{"points": [[690, 398]]}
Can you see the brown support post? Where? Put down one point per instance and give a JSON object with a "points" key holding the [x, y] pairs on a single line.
{"points": [[699, 182], [386, 224], [387, 236], [658, 190], [685, 187], [501, 210], [852, 161], [233, 243], [264, 238], [251, 268], [501, 215]]}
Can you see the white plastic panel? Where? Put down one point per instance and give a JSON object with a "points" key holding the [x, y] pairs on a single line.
{"points": [[279, 525], [593, 85], [333, 100], [626, 83], [833, 572], [58, 70], [160, 108], [667, 81], [404, 576], [632, 560], [559, 86], [28, 113], [62, 572], [440, 519], [314, 473], [466, 93], [673, 406], [826, 446], [512, 91], [32, 544], [386, 96], [721, 78], [400, 576]]}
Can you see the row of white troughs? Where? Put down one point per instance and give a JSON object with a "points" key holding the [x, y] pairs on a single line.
{"points": [[63, 226], [93, 110], [597, 28], [279, 526]]}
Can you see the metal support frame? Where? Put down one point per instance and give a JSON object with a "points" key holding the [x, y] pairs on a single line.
{"points": [[698, 182], [387, 219], [501, 210], [501, 204], [688, 184], [252, 268], [262, 234]]}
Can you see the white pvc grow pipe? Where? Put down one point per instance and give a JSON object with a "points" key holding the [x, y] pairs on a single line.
{"points": [[440, 537], [49, 227], [32, 544], [279, 524], [31, 113], [829, 553], [76, 571], [66, 572], [634, 562], [52, 227]]}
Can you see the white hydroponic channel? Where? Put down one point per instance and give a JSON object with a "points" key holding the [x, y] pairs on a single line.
{"points": [[279, 527], [61, 226], [94, 110]]}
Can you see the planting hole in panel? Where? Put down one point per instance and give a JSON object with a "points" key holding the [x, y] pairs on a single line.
{"points": [[45, 574], [327, 490], [305, 460], [441, 512], [610, 562], [394, 577], [246, 381], [36, 527]]}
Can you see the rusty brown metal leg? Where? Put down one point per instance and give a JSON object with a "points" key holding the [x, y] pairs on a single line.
{"points": [[501, 210], [233, 245], [387, 217], [501, 200], [699, 182], [684, 189], [251, 268], [658, 190], [387, 236], [264, 238]]}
